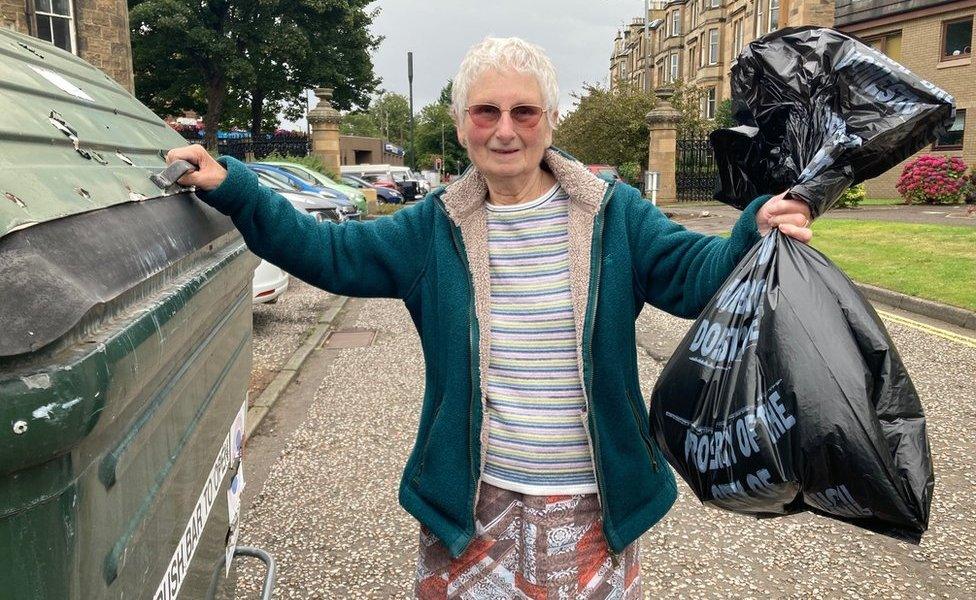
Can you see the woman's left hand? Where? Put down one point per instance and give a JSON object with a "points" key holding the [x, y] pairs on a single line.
{"points": [[792, 217]]}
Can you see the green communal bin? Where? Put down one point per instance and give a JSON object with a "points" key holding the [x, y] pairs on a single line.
{"points": [[125, 346]]}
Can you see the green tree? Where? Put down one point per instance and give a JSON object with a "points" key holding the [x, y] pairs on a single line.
{"points": [[359, 123], [388, 117], [607, 126], [184, 55], [247, 60], [435, 127], [689, 100], [723, 115], [445, 96]]}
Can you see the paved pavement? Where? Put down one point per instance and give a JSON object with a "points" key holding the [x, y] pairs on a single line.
{"points": [[324, 468], [280, 328]]}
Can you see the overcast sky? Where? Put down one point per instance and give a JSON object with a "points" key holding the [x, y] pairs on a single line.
{"points": [[577, 35]]}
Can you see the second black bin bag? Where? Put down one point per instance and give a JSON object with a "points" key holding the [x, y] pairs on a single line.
{"points": [[787, 394]]}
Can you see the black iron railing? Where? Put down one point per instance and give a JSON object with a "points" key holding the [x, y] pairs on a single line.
{"points": [[696, 175], [258, 149]]}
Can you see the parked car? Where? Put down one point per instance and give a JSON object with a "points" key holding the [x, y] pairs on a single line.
{"points": [[316, 205], [424, 184], [269, 283], [411, 179], [389, 195], [383, 175], [313, 177], [607, 172], [384, 180], [286, 179]]}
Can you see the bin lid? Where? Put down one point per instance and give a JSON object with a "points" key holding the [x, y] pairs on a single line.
{"points": [[72, 140]]}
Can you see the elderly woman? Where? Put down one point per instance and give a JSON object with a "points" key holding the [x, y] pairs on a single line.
{"points": [[534, 471]]}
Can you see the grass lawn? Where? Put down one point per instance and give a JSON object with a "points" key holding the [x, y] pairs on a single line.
{"points": [[936, 262]]}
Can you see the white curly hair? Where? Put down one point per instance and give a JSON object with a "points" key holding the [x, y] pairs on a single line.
{"points": [[501, 53]]}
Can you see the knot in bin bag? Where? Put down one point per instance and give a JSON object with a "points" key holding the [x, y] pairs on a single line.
{"points": [[787, 394]]}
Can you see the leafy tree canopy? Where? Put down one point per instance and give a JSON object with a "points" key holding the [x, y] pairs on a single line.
{"points": [[247, 60]]}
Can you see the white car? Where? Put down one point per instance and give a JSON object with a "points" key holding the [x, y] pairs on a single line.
{"points": [[268, 284], [269, 281]]}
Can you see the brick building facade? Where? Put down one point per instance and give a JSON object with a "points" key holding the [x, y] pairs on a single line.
{"points": [[933, 38], [95, 30]]}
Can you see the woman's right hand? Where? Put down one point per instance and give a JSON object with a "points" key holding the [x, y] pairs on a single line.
{"points": [[209, 173]]}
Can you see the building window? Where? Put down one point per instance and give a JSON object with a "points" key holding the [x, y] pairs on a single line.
{"points": [[957, 38], [738, 36], [715, 3], [660, 74], [952, 139], [706, 104], [676, 22], [691, 63], [694, 15], [888, 44], [673, 74], [55, 23], [773, 15], [713, 46]]}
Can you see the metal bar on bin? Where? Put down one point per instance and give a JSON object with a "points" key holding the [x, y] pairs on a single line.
{"points": [[269, 578]]}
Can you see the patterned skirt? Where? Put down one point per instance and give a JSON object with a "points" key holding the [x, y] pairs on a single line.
{"points": [[530, 547]]}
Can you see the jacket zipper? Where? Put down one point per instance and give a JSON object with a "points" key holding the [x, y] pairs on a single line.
{"points": [[643, 434], [475, 380], [592, 438]]}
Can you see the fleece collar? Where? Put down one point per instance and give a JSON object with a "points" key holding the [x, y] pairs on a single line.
{"points": [[470, 192]]}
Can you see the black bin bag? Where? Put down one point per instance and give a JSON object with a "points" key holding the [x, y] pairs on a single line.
{"points": [[787, 394], [819, 112]]}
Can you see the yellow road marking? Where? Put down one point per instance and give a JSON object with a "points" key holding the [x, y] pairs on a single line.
{"points": [[942, 333]]}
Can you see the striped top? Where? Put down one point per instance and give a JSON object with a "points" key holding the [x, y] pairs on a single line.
{"points": [[536, 441]]}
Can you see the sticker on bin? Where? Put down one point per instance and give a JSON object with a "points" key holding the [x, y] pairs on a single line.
{"points": [[169, 587], [234, 514], [63, 84], [237, 434]]}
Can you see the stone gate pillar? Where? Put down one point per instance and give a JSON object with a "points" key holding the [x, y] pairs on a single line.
{"points": [[325, 120], [663, 145]]}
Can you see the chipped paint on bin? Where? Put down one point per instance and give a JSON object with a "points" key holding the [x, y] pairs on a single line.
{"points": [[106, 146]]}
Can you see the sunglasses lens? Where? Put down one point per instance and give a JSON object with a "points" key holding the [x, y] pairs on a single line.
{"points": [[526, 115], [484, 114]]}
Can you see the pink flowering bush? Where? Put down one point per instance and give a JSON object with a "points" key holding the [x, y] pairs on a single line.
{"points": [[932, 179]]}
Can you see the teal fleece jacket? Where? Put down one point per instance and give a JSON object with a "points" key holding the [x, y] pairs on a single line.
{"points": [[419, 255]]}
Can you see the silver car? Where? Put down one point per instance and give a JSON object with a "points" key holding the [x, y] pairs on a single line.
{"points": [[316, 205]]}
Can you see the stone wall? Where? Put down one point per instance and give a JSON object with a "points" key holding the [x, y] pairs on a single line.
{"points": [[103, 38], [102, 33], [13, 15]]}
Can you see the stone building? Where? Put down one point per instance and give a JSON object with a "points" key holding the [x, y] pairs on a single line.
{"points": [[358, 150], [95, 30], [934, 39], [695, 41]]}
